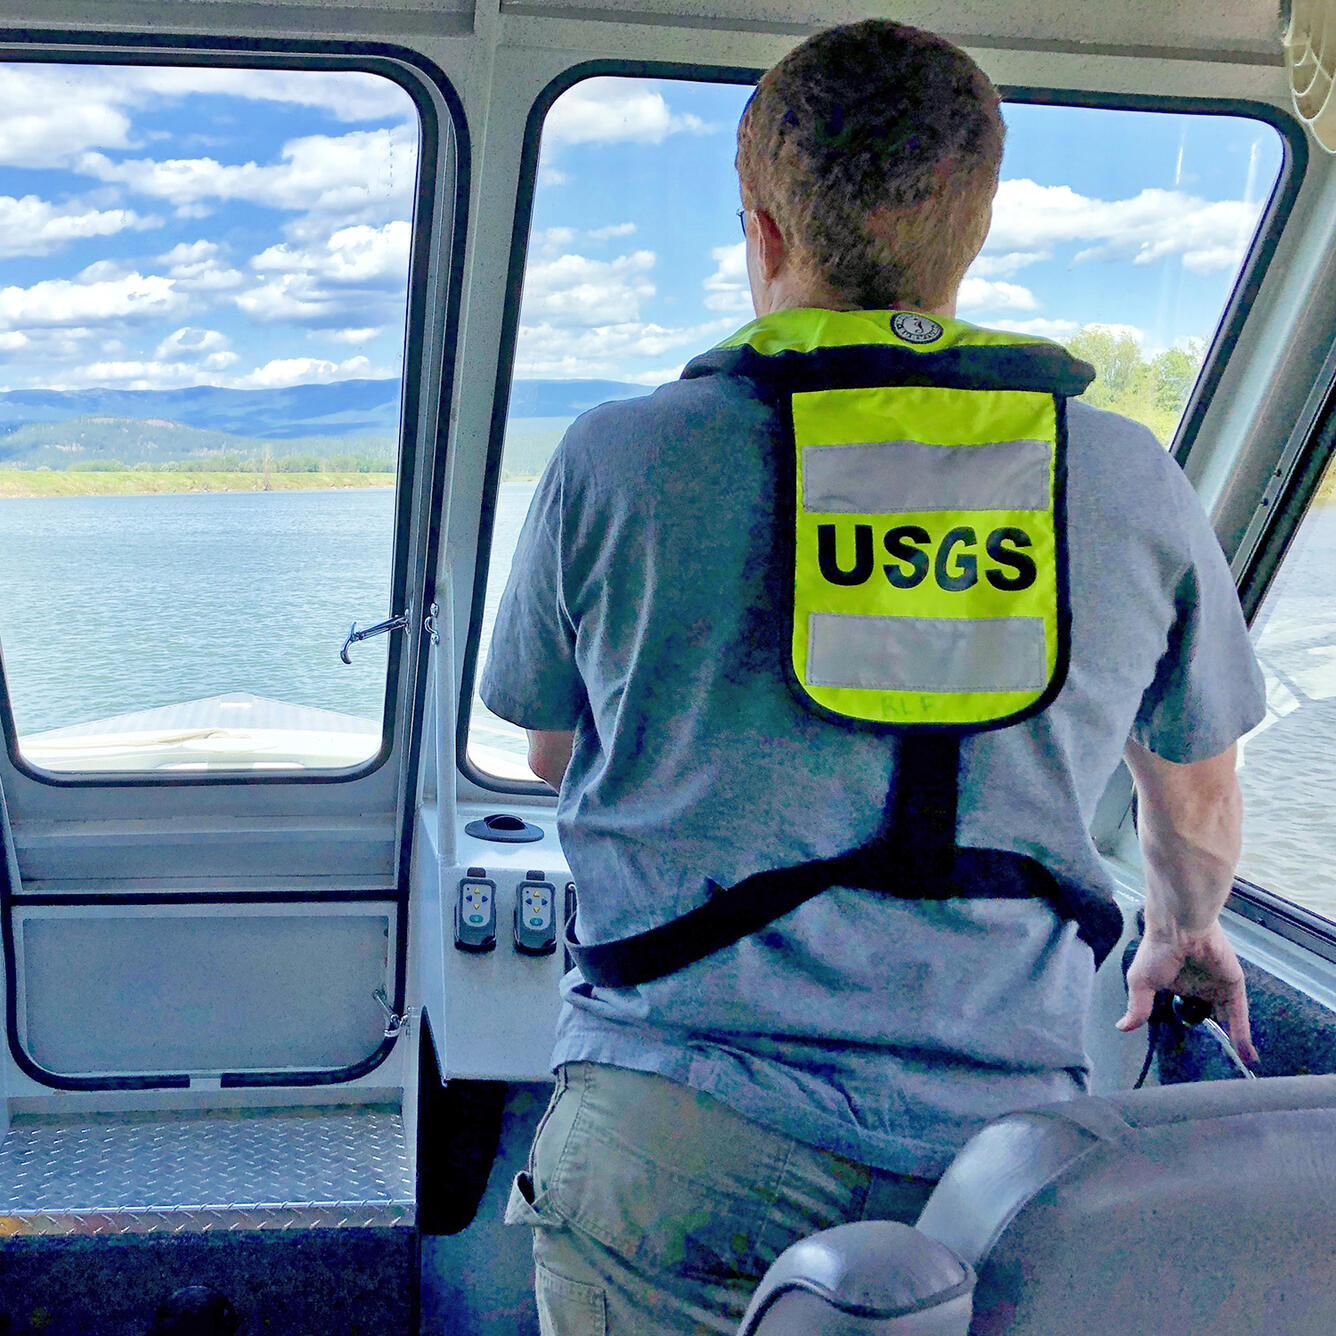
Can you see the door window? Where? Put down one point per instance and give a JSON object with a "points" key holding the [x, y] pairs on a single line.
{"points": [[203, 286]]}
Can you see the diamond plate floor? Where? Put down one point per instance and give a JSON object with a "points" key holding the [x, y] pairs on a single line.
{"points": [[232, 1170]]}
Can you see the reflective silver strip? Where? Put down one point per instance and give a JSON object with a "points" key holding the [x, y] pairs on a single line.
{"points": [[888, 477], [926, 653]]}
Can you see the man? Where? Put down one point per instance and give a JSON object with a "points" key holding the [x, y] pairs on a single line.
{"points": [[826, 1067]]}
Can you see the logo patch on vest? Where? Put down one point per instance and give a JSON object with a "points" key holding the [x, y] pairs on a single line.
{"points": [[915, 328]]}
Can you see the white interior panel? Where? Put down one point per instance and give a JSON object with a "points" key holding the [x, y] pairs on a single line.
{"points": [[1240, 24], [191, 991]]}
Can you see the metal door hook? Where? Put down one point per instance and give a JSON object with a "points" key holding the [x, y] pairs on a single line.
{"points": [[354, 635]]}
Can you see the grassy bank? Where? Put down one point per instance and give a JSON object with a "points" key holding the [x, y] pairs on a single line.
{"points": [[135, 482]]}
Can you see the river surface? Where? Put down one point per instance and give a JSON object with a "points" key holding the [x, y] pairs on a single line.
{"points": [[121, 603]]}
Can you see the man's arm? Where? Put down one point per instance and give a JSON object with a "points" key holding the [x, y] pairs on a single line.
{"points": [[1190, 820], [550, 754]]}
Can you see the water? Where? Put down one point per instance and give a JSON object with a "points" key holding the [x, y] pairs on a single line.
{"points": [[110, 604], [497, 746], [113, 604]]}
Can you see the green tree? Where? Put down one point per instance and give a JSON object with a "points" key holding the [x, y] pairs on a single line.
{"points": [[1152, 392]]}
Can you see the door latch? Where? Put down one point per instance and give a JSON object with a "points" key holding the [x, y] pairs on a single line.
{"points": [[395, 1024], [354, 635]]}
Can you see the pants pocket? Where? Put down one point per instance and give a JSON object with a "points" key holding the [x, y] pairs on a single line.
{"points": [[520, 1208], [629, 1163], [569, 1307]]}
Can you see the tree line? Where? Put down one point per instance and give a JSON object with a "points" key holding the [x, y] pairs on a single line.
{"points": [[1152, 391], [236, 463]]}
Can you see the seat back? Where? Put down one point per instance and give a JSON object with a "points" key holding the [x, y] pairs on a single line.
{"points": [[875, 1278], [1201, 1210]]}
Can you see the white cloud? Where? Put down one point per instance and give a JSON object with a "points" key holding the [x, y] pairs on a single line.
{"points": [[551, 176], [557, 352], [195, 266], [191, 252], [358, 254], [291, 297], [60, 302], [982, 294], [1209, 235], [307, 371], [605, 111], [348, 95], [46, 120], [169, 371], [575, 290], [552, 238], [33, 226], [1044, 328], [351, 273], [1003, 266], [653, 378], [366, 175], [103, 271], [134, 375], [207, 348], [348, 335], [51, 114], [727, 288]]}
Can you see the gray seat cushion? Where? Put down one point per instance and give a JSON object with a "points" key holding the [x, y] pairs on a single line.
{"points": [[1190, 1210]]}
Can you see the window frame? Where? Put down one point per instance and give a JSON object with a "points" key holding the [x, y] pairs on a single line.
{"points": [[1266, 237], [386, 61], [1281, 511]]}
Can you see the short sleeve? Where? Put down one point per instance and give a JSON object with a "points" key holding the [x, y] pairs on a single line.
{"points": [[531, 678], [1208, 689]]}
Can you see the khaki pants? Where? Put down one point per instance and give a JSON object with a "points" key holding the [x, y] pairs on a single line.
{"points": [[656, 1209]]}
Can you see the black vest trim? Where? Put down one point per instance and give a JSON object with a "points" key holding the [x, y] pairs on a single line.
{"points": [[1037, 367]]}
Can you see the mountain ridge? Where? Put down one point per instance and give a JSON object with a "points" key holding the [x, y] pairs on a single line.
{"points": [[339, 408]]}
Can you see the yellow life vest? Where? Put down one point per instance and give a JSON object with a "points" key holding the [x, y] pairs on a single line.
{"points": [[923, 464], [920, 474]]}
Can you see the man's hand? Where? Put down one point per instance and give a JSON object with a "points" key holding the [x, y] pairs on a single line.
{"points": [[1192, 965], [1190, 820]]}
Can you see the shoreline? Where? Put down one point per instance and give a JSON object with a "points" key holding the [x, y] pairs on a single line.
{"points": [[26, 484]]}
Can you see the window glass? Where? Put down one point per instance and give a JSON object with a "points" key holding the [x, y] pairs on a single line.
{"points": [[1118, 233], [203, 285], [1287, 763]]}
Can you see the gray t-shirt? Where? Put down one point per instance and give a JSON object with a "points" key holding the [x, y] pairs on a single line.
{"points": [[643, 611]]}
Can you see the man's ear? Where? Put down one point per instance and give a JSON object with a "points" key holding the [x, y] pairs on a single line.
{"points": [[771, 252]]}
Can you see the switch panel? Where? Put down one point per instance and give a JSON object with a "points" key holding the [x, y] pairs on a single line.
{"points": [[475, 912], [535, 915]]}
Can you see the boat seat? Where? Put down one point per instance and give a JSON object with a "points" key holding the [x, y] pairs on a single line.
{"points": [[875, 1278], [1201, 1210]]}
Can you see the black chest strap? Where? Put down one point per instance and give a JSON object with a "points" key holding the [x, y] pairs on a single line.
{"points": [[913, 855]]}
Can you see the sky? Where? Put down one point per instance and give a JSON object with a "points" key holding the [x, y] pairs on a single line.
{"points": [[1118, 218], [164, 227]]}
